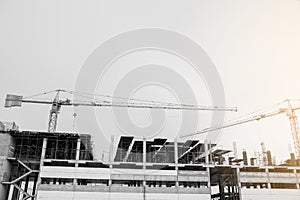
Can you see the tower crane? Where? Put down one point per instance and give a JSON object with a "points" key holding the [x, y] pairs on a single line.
{"points": [[57, 103], [284, 107]]}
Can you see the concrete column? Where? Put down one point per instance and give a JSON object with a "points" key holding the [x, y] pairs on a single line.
{"points": [[268, 174], [78, 150], [239, 183], [110, 181], [77, 157], [176, 160], [111, 150], [208, 175], [297, 178], [206, 152], [144, 166], [44, 151], [144, 160], [38, 179]]}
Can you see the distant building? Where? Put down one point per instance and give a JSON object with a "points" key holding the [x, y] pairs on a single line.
{"points": [[8, 126], [2, 127]]}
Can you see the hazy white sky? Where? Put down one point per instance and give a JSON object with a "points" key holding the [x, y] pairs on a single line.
{"points": [[254, 44]]}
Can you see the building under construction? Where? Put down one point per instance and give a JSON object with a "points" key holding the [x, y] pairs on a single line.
{"points": [[43, 165]]}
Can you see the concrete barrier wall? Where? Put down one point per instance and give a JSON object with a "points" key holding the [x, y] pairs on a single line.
{"points": [[72, 172], [254, 177], [270, 194], [50, 195], [122, 174], [124, 189], [282, 178], [261, 177]]}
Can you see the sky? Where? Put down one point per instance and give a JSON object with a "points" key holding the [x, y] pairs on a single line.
{"points": [[254, 46]]}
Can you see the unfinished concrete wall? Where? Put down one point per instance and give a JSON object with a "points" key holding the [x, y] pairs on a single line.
{"points": [[5, 166], [5, 144]]}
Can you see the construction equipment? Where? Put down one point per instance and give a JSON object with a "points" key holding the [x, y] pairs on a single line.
{"points": [[57, 103], [282, 107]]}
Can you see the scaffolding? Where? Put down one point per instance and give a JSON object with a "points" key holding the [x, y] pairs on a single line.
{"points": [[29, 150]]}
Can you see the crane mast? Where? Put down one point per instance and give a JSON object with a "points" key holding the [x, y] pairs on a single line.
{"points": [[55, 108], [282, 107], [294, 128]]}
